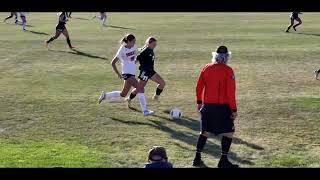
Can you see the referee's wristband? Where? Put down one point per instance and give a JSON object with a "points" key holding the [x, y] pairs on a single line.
{"points": [[199, 102]]}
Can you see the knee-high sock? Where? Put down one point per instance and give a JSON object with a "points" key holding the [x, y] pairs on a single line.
{"points": [[113, 94], [51, 39], [225, 146], [69, 42], [200, 145], [142, 101]]}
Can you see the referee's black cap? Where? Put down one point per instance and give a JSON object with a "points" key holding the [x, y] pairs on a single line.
{"points": [[222, 50]]}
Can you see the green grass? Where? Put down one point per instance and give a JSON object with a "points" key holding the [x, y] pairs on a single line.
{"points": [[49, 116]]}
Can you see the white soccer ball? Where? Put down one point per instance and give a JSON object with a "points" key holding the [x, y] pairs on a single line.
{"points": [[175, 113]]}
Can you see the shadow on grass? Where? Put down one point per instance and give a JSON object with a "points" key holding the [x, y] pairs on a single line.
{"points": [[309, 34], [195, 126], [117, 27], [36, 32], [80, 53], [185, 137], [80, 18]]}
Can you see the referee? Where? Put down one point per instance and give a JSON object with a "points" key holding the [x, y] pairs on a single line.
{"points": [[216, 99]]}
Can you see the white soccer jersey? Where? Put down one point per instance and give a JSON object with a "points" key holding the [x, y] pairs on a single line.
{"points": [[128, 59]]}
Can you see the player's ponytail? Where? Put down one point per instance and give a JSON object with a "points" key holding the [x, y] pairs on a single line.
{"points": [[127, 38]]}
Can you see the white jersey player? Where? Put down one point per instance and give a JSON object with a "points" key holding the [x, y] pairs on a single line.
{"points": [[24, 19], [127, 55]]}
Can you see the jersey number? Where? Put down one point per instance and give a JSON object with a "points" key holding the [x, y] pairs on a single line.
{"points": [[132, 58], [145, 78]]}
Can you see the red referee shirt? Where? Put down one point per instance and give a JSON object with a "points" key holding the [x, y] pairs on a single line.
{"points": [[216, 84]]}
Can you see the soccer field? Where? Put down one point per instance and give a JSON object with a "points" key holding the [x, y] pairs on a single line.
{"points": [[49, 116]]}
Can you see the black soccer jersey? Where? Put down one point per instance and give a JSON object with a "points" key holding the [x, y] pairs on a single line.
{"points": [[295, 14], [146, 59], [62, 18]]}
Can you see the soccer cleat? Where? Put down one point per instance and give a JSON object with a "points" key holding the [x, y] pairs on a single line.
{"points": [[102, 97], [197, 162], [72, 47], [155, 97], [128, 101], [225, 163], [294, 28], [287, 30], [316, 72], [147, 112]]}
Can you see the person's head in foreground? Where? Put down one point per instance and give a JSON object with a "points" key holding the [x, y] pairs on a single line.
{"points": [[158, 158]]}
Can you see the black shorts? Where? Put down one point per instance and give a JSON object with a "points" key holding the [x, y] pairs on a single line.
{"points": [[126, 76], [294, 17], [60, 27], [145, 75], [216, 119]]}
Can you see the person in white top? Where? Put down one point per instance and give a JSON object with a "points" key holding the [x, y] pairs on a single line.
{"points": [[127, 55], [24, 20]]}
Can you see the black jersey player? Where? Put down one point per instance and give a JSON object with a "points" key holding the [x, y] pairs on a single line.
{"points": [[61, 28], [146, 59], [11, 15], [294, 17]]}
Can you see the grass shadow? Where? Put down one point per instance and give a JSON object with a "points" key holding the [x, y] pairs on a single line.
{"points": [[36, 32], [118, 27], [308, 34], [80, 18], [195, 126], [81, 53], [185, 137]]}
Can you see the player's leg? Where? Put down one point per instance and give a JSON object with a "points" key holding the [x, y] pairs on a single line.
{"points": [[143, 79], [66, 34], [104, 18], [161, 84], [134, 92], [291, 24], [141, 96], [24, 22], [317, 72], [11, 15], [299, 23], [226, 142], [69, 15], [53, 38], [15, 17], [202, 139], [126, 87]]}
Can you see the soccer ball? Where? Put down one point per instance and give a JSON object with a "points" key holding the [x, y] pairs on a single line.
{"points": [[175, 113]]}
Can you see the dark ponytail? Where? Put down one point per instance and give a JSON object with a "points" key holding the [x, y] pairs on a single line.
{"points": [[127, 38]]}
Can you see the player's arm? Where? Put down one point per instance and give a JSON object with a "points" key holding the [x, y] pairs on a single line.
{"points": [[199, 89], [114, 61], [231, 93]]}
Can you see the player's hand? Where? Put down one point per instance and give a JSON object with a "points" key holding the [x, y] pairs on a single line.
{"points": [[234, 115], [199, 106]]}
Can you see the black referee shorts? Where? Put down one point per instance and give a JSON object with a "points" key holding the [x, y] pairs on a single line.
{"points": [[215, 118]]}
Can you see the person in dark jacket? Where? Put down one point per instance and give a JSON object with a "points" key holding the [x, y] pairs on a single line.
{"points": [[158, 158], [294, 17], [216, 100]]}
